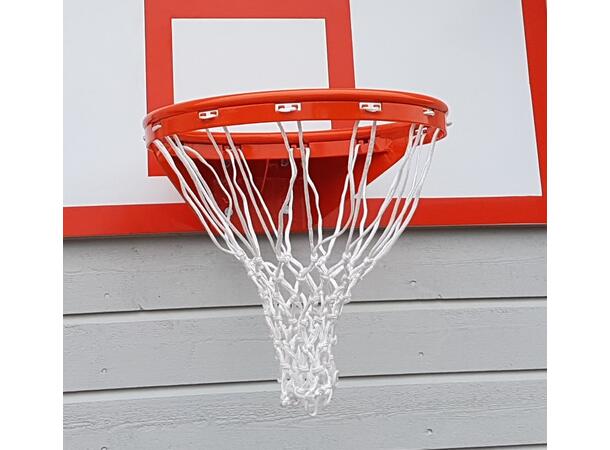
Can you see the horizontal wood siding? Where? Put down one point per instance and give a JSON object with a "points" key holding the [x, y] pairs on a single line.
{"points": [[203, 346], [443, 347], [403, 412], [148, 273]]}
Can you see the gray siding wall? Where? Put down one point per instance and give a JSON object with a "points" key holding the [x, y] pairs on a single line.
{"points": [[444, 346]]}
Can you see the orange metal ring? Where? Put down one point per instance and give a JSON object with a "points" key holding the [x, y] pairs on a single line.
{"points": [[401, 108]]}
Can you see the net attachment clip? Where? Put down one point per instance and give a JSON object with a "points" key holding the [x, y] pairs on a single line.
{"points": [[287, 107], [372, 107], [206, 115]]}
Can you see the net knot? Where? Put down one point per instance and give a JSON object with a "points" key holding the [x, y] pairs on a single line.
{"points": [[284, 258], [325, 276], [302, 275], [241, 255], [253, 266], [366, 262], [319, 262]]}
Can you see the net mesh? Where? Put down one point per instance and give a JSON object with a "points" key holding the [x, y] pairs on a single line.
{"points": [[302, 297]]}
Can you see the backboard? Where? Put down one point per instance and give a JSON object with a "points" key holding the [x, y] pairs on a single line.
{"points": [[485, 58]]}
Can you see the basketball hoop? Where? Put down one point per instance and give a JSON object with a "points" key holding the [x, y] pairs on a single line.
{"points": [[251, 191]]}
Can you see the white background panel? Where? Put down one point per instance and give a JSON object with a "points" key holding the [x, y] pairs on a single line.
{"points": [[471, 54], [104, 104], [229, 56]]}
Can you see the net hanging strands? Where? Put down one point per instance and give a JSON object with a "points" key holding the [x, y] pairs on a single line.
{"points": [[302, 297]]}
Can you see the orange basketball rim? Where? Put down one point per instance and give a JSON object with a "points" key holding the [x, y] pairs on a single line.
{"points": [[394, 112]]}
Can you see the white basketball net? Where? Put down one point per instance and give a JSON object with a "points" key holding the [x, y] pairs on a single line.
{"points": [[302, 300]]}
